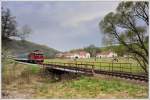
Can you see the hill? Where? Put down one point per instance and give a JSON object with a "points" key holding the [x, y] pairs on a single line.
{"points": [[22, 48]]}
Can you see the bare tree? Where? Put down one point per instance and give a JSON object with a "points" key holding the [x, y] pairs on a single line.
{"points": [[24, 32], [9, 24]]}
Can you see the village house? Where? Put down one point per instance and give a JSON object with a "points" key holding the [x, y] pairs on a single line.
{"points": [[83, 54], [70, 55], [59, 55], [106, 54], [63, 55], [76, 54]]}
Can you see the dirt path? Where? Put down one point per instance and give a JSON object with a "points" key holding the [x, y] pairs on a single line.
{"points": [[15, 95]]}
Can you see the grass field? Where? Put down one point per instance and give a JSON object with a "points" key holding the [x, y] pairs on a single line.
{"points": [[26, 81], [125, 65]]}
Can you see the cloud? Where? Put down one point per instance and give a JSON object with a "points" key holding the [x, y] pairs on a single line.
{"points": [[75, 21], [62, 25], [88, 11]]}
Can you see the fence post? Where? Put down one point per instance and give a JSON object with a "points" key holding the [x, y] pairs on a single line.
{"points": [[112, 66], [138, 70], [100, 65], [76, 67], [93, 70], [109, 67], [120, 68], [130, 68], [64, 63]]}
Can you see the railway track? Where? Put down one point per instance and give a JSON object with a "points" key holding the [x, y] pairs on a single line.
{"points": [[82, 68], [112, 73]]}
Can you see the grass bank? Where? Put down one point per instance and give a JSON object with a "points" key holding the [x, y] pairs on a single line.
{"points": [[27, 81]]}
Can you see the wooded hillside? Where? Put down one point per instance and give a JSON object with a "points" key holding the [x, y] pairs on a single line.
{"points": [[22, 48]]}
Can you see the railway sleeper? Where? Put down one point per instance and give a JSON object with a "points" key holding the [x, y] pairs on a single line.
{"points": [[110, 73], [122, 75], [126, 75], [105, 72], [116, 74], [146, 80], [140, 76]]}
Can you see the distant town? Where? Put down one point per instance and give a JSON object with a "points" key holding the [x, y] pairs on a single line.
{"points": [[84, 54]]}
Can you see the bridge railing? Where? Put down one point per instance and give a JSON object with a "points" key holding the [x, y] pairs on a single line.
{"points": [[115, 66], [103, 66]]}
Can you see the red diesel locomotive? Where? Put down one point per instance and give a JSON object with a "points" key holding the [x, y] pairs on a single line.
{"points": [[36, 56]]}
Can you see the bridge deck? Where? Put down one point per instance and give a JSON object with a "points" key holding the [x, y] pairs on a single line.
{"points": [[86, 70], [91, 69]]}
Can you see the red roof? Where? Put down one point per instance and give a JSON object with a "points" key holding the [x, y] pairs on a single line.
{"points": [[83, 53]]}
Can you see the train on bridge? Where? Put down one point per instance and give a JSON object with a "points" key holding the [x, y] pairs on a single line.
{"points": [[36, 56]]}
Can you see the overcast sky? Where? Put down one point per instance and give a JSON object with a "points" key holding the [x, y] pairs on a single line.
{"points": [[62, 25]]}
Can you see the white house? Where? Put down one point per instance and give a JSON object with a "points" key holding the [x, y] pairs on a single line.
{"points": [[76, 54], [83, 54], [107, 54], [79, 54], [59, 55]]}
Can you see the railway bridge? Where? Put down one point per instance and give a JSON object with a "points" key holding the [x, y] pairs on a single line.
{"points": [[91, 68]]}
